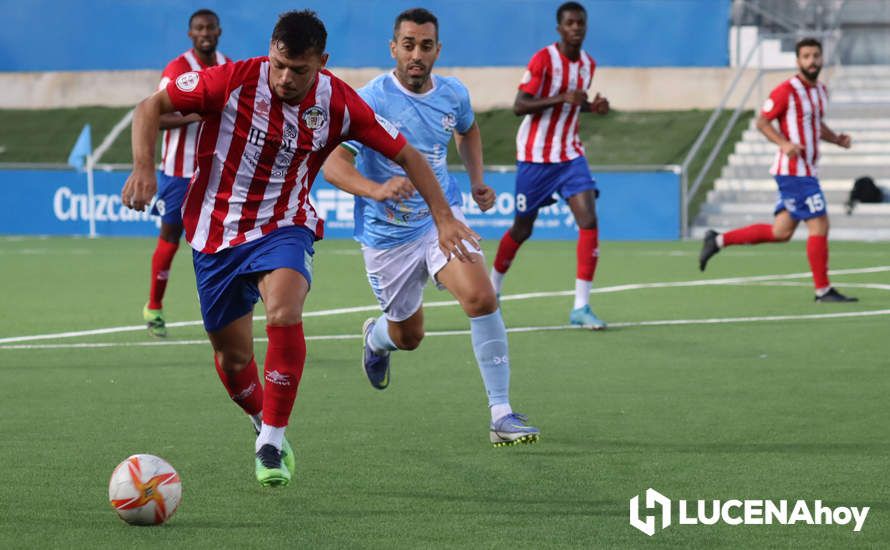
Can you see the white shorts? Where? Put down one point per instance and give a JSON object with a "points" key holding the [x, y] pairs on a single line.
{"points": [[398, 275]]}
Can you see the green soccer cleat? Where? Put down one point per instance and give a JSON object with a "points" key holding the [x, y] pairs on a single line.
{"points": [[154, 318], [270, 469], [287, 457]]}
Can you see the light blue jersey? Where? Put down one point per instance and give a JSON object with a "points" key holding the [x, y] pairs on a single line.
{"points": [[427, 121]]}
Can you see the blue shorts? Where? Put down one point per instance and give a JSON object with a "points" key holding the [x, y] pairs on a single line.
{"points": [[228, 280], [537, 181], [801, 196], [171, 193]]}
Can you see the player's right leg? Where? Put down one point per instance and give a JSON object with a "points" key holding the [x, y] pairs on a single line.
{"points": [[397, 277], [781, 230], [535, 185], [171, 191], [469, 283]]}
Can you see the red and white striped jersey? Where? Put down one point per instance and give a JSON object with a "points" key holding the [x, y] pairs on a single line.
{"points": [[800, 108], [178, 144], [258, 156], [551, 135]]}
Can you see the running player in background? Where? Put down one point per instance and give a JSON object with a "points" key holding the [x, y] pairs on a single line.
{"points": [[799, 104], [269, 123], [550, 155], [178, 162], [394, 225]]}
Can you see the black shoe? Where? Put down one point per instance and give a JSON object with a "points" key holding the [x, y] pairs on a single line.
{"points": [[834, 296], [708, 249]]}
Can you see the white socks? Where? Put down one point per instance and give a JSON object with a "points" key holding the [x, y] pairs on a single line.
{"points": [[582, 293], [719, 240], [270, 435], [500, 410], [497, 280]]}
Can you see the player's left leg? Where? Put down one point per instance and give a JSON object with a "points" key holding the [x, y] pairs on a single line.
{"points": [[817, 254], [469, 283], [583, 206]]}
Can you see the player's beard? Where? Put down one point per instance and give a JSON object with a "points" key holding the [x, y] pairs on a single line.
{"points": [[416, 81], [812, 74]]}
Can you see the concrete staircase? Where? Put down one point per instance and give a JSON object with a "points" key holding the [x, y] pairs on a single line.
{"points": [[745, 193]]}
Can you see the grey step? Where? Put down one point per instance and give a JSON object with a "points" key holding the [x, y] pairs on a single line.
{"points": [[827, 157], [826, 172], [835, 208], [859, 136], [838, 221], [697, 232], [766, 148], [857, 109], [767, 183], [767, 196]]}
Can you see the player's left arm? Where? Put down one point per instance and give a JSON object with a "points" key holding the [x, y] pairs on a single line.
{"points": [[469, 146], [827, 134]]}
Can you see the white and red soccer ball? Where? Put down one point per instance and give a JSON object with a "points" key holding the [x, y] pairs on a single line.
{"points": [[144, 490]]}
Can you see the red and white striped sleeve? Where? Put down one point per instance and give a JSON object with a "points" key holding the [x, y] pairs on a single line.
{"points": [[533, 78], [201, 92], [777, 102]]}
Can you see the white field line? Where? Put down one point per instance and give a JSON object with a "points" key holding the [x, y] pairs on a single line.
{"points": [[356, 336], [511, 297]]}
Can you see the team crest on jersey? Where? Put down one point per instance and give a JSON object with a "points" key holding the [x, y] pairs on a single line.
{"points": [[768, 105], [583, 72], [387, 125], [187, 81], [315, 117], [449, 122]]}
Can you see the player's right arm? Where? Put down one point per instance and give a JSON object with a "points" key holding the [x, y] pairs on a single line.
{"points": [[339, 169], [775, 106], [142, 183]]}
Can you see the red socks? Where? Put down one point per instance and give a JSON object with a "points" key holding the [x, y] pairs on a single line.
{"points": [[244, 387], [588, 252], [506, 252], [817, 254], [285, 358], [753, 234], [160, 271]]}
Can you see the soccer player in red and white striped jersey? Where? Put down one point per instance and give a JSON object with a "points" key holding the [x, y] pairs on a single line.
{"points": [[269, 123], [799, 104], [550, 157], [178, 161]]}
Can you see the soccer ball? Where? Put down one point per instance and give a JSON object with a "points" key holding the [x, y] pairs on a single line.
{"points": [[144, 490]]}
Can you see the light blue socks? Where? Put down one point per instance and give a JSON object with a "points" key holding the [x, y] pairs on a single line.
{"points": [[489, 337], [379, 339]]}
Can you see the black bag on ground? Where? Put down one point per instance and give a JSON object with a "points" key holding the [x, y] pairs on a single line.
{"points": [[864, 190]]}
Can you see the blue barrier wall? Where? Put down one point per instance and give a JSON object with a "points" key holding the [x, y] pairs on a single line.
{"points": [[49, 35], [632, 206]]}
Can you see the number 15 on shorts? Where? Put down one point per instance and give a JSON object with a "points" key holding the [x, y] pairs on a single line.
{"points": [[815, 203]]}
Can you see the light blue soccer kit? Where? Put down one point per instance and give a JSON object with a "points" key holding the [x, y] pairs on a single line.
{"points": [[399, 239]]}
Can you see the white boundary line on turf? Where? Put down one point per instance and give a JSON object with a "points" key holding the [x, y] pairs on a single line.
{"points": [[526, 296], [657, 323]]}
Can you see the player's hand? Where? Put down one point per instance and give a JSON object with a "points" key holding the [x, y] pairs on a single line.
{"points": [[844, 141], [139, 188], [599, 105], [484, 197], [791, 149], [396, 188], [453, 236], [575, 97]]}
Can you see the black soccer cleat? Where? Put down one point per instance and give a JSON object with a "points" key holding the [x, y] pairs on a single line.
{"points": [[708, 249], [834, 296]]}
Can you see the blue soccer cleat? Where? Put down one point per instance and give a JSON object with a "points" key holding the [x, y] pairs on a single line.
{"points": [[511, 429], [376, 367], [585, 317]]}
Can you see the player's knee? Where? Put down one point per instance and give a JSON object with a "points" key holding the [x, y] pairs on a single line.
{"points": [[408, 341], [521, 232], [233, 360], [587, 222], [283, 316], [782, 235], [480, 302]]}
